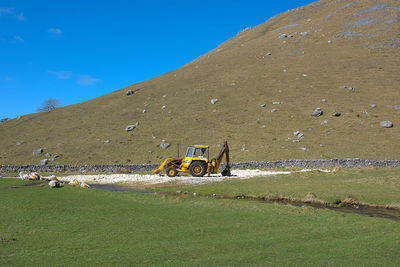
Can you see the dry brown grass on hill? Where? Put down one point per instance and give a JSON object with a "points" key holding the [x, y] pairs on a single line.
{"points": [[333, 44]]}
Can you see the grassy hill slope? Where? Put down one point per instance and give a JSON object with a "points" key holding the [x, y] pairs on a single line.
{"points": [[329, 44]]}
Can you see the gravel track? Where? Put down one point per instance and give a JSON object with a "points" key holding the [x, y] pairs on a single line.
{"points": [[161, 179]]}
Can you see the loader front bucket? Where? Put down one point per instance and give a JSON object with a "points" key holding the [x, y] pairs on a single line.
{"points": [[156, 171], [161, 167]]}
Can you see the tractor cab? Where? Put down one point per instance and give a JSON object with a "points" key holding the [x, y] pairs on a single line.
{"points": [[197, 151]]}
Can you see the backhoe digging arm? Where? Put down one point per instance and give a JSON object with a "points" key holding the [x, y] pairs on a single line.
{"points": [[224, 151]]}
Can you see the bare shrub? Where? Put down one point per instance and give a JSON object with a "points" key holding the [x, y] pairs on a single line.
{"points": [[49, 104]]}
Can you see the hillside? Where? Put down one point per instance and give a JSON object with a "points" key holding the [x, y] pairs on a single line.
{"points": [[340, 56]]}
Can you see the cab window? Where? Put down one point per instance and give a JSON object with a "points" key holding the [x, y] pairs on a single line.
{"points": [[189, 152], [200, 152]]}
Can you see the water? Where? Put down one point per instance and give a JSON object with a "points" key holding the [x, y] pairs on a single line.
{"points": [[364, 210], [120, 188]]}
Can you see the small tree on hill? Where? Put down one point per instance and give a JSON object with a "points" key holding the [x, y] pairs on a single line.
{"points": [[49, 104], [4, 120]]}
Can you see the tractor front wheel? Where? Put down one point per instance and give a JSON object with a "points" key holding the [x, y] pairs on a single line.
{"points": [[197, 169], [172, 172]]}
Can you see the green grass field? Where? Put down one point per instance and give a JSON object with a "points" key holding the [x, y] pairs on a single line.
{"points": [[74, 226], [375, 186]]}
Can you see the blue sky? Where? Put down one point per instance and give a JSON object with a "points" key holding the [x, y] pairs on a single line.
{"points": [[78, 50]]}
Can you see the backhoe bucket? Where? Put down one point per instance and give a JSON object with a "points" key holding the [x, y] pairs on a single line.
{"points": [[226, 171]]}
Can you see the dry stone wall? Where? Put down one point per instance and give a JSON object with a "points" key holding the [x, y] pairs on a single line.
{"points": [[345, 163]]}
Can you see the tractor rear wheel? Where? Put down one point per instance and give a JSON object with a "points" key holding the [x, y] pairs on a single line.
{"points": [[197, 169], [172, 172]]}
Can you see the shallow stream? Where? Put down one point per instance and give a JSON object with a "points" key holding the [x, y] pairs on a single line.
{"points": [[360, 209]]}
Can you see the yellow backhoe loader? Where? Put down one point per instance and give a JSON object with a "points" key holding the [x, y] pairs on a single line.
{"points": [[196, 162]]}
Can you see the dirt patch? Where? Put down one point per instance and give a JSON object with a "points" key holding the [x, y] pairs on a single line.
{"points": [[22, 186]]}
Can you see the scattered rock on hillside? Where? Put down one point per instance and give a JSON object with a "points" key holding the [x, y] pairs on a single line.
{"points": [[276, 103], [47, 155], [214, 100], [163, 107], [263, 105], [348, 88], [20, 143], [273, 110], [268, 53], [106, 141], [336, 114], [386, 124], [317, 112], [38, 151], [144, 111], [396, 107], [130, 92], [54, 157], [323, 100], [164, 145], [44, 162], [298, 134], [131, 127], [372, 105]]}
